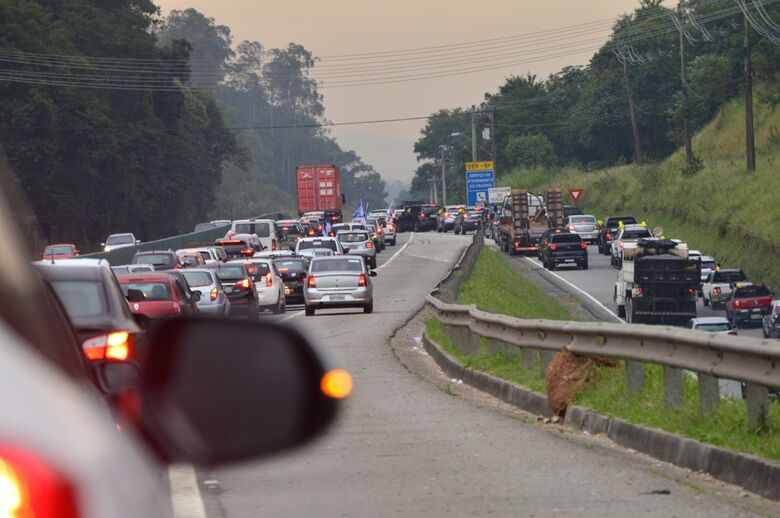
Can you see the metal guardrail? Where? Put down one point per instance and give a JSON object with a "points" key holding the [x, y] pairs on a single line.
{"points": [[753, 361]]}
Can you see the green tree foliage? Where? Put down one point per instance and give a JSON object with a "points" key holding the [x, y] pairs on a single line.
{"points": [[99, 160], [531, 151]]}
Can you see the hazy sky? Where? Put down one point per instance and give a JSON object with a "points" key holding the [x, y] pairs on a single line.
{"points": [[336, 27]]}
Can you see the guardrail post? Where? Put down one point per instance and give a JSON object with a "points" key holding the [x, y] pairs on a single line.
{"points": [[495, 346], [757, 403], [635, 377], [465, 340], [527, 358], [545, 358], [673, 387], [709, 393]]}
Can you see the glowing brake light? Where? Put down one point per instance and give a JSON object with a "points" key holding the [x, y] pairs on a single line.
{"points": [[584, 246], [31, 488], [571, 228], [214, 294], [246, 283], [111, 346], [716, 290], [362, 280], [369, 245], [273, 245], [737, 303], [310, 283], [268, 280], [553, 247]]}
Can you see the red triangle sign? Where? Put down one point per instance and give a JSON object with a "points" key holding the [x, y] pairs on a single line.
{"points": [[575, 195]]}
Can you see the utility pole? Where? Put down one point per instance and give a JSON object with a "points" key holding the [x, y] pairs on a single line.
{"points": [[493, 135], [684, 77], [750, 144], [473, 134], [443, 176], [435, 191], [632, 111]]}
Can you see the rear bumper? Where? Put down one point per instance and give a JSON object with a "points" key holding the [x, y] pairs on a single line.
{"points": [[215, 309], [337, 298]]}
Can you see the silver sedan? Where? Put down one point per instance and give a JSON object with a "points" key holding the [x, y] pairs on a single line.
{"points": [[213, 300], [358, 242], [339, 282]]}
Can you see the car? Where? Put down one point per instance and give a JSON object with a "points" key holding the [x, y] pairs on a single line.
{"points": [[264, 229], [358, 242], [565, 248], [608, 229], [388, 228], [235, 247], [338, 282], [289, 231], [716, 325], [312, 227], [379, 230], [115, 241], [717, 288], [131, 268], [748, 303], [583, 224], [209, 254], [211, 298], [445, 220], [470, 219], [161, 295], [88, 290], [268, 284], [708, 265], [190, 259], [626, 234], [771, 323], [161, 260], [417, 217], [239, 287], [60, 251], [376, 237], [293, 271], [352, 225], [305, 246]]}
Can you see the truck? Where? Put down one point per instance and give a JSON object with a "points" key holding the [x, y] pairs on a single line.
{"points": [[524, 217], [748, 303], [716, 289], [319, 189], [657, 282]]}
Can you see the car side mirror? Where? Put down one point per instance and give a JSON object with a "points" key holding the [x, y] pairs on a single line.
{"points": [[134, 295], [142, 320], [137, 241], [196, 295], [115, 378], [372, 273], [219, 391], [102, 244]]}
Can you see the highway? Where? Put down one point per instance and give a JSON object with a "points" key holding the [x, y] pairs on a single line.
{"points": [[404, 446]]}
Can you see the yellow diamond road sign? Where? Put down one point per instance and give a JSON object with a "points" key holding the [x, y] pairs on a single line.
{"points": [[479, 166]]}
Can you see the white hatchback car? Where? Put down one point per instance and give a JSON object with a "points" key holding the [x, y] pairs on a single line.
{"points": [[268, 284]]}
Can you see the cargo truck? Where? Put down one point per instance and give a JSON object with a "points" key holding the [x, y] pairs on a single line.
{"points": [[319, 189], [524, 217], [657, 282]]}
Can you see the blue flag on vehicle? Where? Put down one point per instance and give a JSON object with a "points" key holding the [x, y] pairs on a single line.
{"points": [[327, 228], [390, 207], [359, 212]]}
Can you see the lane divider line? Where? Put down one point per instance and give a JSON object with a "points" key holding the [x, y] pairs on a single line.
{"points": [[186, 499]]}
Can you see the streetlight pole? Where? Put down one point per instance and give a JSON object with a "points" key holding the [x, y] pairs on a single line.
{"points": [[443, 176], [473, 134]]}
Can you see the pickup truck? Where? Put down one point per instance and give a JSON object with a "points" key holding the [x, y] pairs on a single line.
{"points": [[717, 288], [609, 230], [748, 303]]}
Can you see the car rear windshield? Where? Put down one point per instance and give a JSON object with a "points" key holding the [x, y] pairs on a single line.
{"points": [[627, 220], [336, 228], [198, 279], [579, 220], [382, 221], [259, 269], [714, 327], [81, 298], [316, 243], [153, 291], [429, 210], [120, 270], [337, 265], [120, 240], [353, 237], [154, 259], [752, 291], [261, 229], [290, 265], [290, 230], [231, 272], [729, 277], [708, 264], [56, 250], [566, 238], [636, 234]]}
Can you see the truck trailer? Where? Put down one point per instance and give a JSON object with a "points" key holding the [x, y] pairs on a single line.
{"points": [[319, 189]]}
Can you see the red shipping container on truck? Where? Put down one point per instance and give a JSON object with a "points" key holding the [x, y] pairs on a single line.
{"points": [[319, 188]]}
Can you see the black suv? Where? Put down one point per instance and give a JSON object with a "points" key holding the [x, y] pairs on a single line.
{"points": [[565, 248], [161, 260], [609, 230]]}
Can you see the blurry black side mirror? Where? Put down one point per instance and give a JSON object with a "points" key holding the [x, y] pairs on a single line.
{"points": [[196, 295], [135, 295], [372, 273], [116, 378], [218, 391]]}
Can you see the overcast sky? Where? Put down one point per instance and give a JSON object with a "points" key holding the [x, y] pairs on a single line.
{"points": [[337, 27]]}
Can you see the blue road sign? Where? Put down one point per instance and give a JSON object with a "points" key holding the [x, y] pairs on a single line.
{"points": [[477, 185]]}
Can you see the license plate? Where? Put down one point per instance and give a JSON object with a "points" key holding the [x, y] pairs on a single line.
{"points": [[568, 260], [337, 297], [228, 290], [756, 316]]}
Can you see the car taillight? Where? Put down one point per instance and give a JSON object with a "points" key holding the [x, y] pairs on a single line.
{"points": [[273, 245], [716, 290], [571, 228], [310, 283], [248, 251], [246, 284], [334, 218], [391, 228], [553, 246], [214, 294], [691, 291], [31, 488], [584, 246], [737, 303], [609, 235], [111, 346], [369, 245], [268, 280], [362, 280]]}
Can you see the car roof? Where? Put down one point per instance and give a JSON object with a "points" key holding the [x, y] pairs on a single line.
{"points": [[324, 238], [88, 270], [353, 231], [76, 262], [710, 320]]}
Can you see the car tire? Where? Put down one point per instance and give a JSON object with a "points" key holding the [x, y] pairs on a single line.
{"points": [[584, 265], [417, 227], [309, 310], [392, 243], [705, 301], [621, 311], [368, 308], [284, 306], [552, 265]]}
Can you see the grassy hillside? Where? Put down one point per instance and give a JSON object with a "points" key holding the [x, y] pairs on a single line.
{"points": [[721, 210]]}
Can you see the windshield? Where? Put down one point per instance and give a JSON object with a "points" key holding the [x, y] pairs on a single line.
{"points": [[153, 291], [752, 291], [337, 265], [429, 210], [708, 265], [565, 238], [355, 237], [729, 277], [636, 234], [316, 243], [580, 220], [289, 230], [261, 229], [198, 279], [154, 259], [81, 298], [714, 327], [290, 265], [120, 240], [231, 272], [57, 250]]}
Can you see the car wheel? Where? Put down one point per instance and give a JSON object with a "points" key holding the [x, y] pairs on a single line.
{"points": [[706, 301], [392, 243], [621, 311], [309, 311], [368, 308], [552, 265], [585, 265], [417, 227], [284, 306]]}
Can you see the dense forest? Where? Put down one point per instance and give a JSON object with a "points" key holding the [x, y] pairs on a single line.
{"points": [[115, 118], [580, 115]]}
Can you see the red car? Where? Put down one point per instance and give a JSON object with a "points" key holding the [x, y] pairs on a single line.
{"points": [[157, 295], [61, 251]]}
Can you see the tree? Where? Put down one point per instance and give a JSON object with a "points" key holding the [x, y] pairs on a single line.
{"points": [[531, 151]]}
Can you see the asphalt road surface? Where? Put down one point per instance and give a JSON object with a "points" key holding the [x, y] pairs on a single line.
{"points": [[405, 447]]}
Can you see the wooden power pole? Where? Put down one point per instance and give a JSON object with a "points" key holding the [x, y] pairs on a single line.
{"points": [[684, 78], [750, 144], [632, 111]]}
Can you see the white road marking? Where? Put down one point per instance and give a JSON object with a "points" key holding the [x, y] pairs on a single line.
{"points": [[185, 494], [585, 293]]}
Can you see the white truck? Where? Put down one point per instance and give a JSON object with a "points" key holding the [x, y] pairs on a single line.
{"points": [[717, 288], [657, 282]]}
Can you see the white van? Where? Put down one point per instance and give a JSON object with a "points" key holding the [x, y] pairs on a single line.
{"points": [[264, 229]]}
